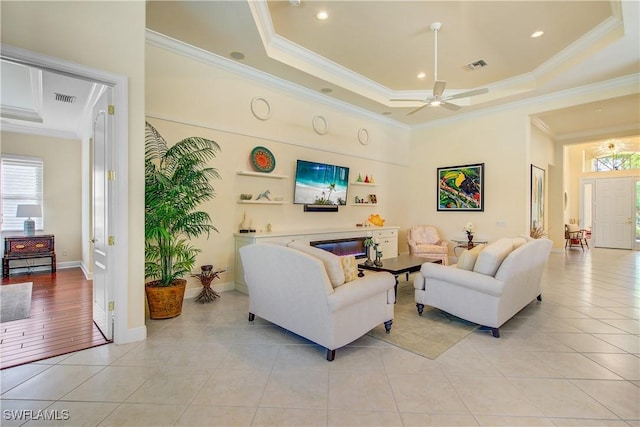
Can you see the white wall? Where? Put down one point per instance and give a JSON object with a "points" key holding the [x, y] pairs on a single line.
{"points": [[190, 98], [500, 142], [107, 36], [62, 188]]}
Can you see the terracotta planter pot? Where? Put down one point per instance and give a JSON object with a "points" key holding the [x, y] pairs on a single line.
{"points": [[165, 302]]}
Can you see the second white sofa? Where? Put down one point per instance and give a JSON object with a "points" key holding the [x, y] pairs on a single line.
{"points": [[487, 290]]}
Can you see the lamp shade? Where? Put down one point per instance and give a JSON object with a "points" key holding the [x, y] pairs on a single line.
{"points": [[28, 211]]}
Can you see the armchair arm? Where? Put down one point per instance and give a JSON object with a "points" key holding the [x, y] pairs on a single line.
{"points": [[460, 277], [360, 289]]}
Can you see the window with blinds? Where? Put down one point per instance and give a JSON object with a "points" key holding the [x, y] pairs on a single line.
{"points": [[22, 184]]}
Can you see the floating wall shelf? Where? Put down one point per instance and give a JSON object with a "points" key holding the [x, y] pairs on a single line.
{"points": [[261, 202], [262, 174]]}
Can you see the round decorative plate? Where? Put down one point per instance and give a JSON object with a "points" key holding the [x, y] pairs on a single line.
{"points": [[262, 160]]}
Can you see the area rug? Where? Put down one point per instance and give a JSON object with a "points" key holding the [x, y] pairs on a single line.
{"points": [[15, 301], [428, 335]]}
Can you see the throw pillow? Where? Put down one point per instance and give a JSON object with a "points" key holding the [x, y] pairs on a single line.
{"points": [[467, 259], [330, 260], [492, 256], [349, 267]]}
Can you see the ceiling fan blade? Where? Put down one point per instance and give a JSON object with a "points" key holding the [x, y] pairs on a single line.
{"points": [[450, 106], [438, 87], [416, 110], [469, 93], [405, 99]]}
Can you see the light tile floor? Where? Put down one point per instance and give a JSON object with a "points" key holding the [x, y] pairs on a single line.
{"points": [[572, 360]]}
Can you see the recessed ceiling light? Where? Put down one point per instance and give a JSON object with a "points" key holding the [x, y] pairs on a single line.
{"points": [[237, 55], [537, 34], [422, 75], [322, 15], [326, 90]]}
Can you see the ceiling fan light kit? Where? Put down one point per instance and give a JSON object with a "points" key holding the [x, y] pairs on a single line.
{"points": [[438, 98]]}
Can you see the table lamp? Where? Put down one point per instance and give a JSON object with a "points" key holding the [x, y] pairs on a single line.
{"points": [[28, 211]]}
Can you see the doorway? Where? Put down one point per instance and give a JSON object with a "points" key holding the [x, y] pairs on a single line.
{"points": [[609, 210], [117, 247]]}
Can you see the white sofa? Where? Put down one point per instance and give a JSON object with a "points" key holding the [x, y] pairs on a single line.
{"points": [[303, 289], [488, 285]]}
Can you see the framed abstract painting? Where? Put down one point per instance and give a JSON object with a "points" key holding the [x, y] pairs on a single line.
{"points": [[537, 198], [461, 188]]}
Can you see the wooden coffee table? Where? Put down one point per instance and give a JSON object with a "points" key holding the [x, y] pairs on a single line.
{"points": [[403, 263]]}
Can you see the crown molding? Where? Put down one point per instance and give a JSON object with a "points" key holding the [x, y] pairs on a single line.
{"points": [[33, 130], [180, 48], [629, 80], [580, 47], [604, 133]]}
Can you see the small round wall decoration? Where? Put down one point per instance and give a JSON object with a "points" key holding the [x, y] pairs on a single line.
{"points": [[262, 160], [260, 108], [363, 136], [320, 125]]}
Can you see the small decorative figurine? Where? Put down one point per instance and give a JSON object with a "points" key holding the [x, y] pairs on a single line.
{"points": [[265, 195]]}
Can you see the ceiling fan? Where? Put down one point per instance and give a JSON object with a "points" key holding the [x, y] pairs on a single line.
{"points": [[438, 98]]}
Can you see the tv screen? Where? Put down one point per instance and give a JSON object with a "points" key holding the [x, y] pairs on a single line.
{"points": [[320, 184]]}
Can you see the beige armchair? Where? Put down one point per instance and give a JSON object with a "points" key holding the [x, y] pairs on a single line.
{"points": [[424, 241]]}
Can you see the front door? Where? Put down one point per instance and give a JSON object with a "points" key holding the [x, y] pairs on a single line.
{"points": [[613, 213], [102, 132]]}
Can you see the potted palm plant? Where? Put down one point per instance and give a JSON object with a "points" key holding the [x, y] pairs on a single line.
{"points": [[177, 181]]}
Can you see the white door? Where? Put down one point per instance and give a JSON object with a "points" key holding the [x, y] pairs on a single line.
{"points": [[102, 133], [613, 213]]}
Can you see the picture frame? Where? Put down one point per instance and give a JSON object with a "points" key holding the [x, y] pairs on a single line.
{"points": [[461, 188], [537, 198]]}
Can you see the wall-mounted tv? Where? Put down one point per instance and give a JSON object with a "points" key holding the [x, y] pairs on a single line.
{"points": [[320, 184]]}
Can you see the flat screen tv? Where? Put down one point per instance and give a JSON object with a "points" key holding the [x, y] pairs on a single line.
{"points": [[320, 184]]}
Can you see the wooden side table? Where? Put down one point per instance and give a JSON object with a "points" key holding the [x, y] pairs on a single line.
{"points": [[28, 247]]}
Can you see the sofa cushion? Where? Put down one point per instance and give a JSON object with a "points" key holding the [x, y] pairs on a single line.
{"points": [[331, 261], [467, 259], [518, 241], [492, 256], [350, 267]]}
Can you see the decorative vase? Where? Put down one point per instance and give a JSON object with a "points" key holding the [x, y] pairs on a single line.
{"points": [[368, 262], [165, 302], [470, 238]]}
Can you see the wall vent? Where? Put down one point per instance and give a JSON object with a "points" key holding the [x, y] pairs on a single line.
{"points": [[475, 65], [69, 99]]}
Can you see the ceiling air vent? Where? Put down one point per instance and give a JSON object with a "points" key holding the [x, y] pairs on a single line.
{"points": [[65, 98], [475, 65]]}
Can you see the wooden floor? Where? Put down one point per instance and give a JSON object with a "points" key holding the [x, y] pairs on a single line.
{"points": [[61, 319]]}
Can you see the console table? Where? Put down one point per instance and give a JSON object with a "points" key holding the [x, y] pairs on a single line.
{"points": [[28, 247]]}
